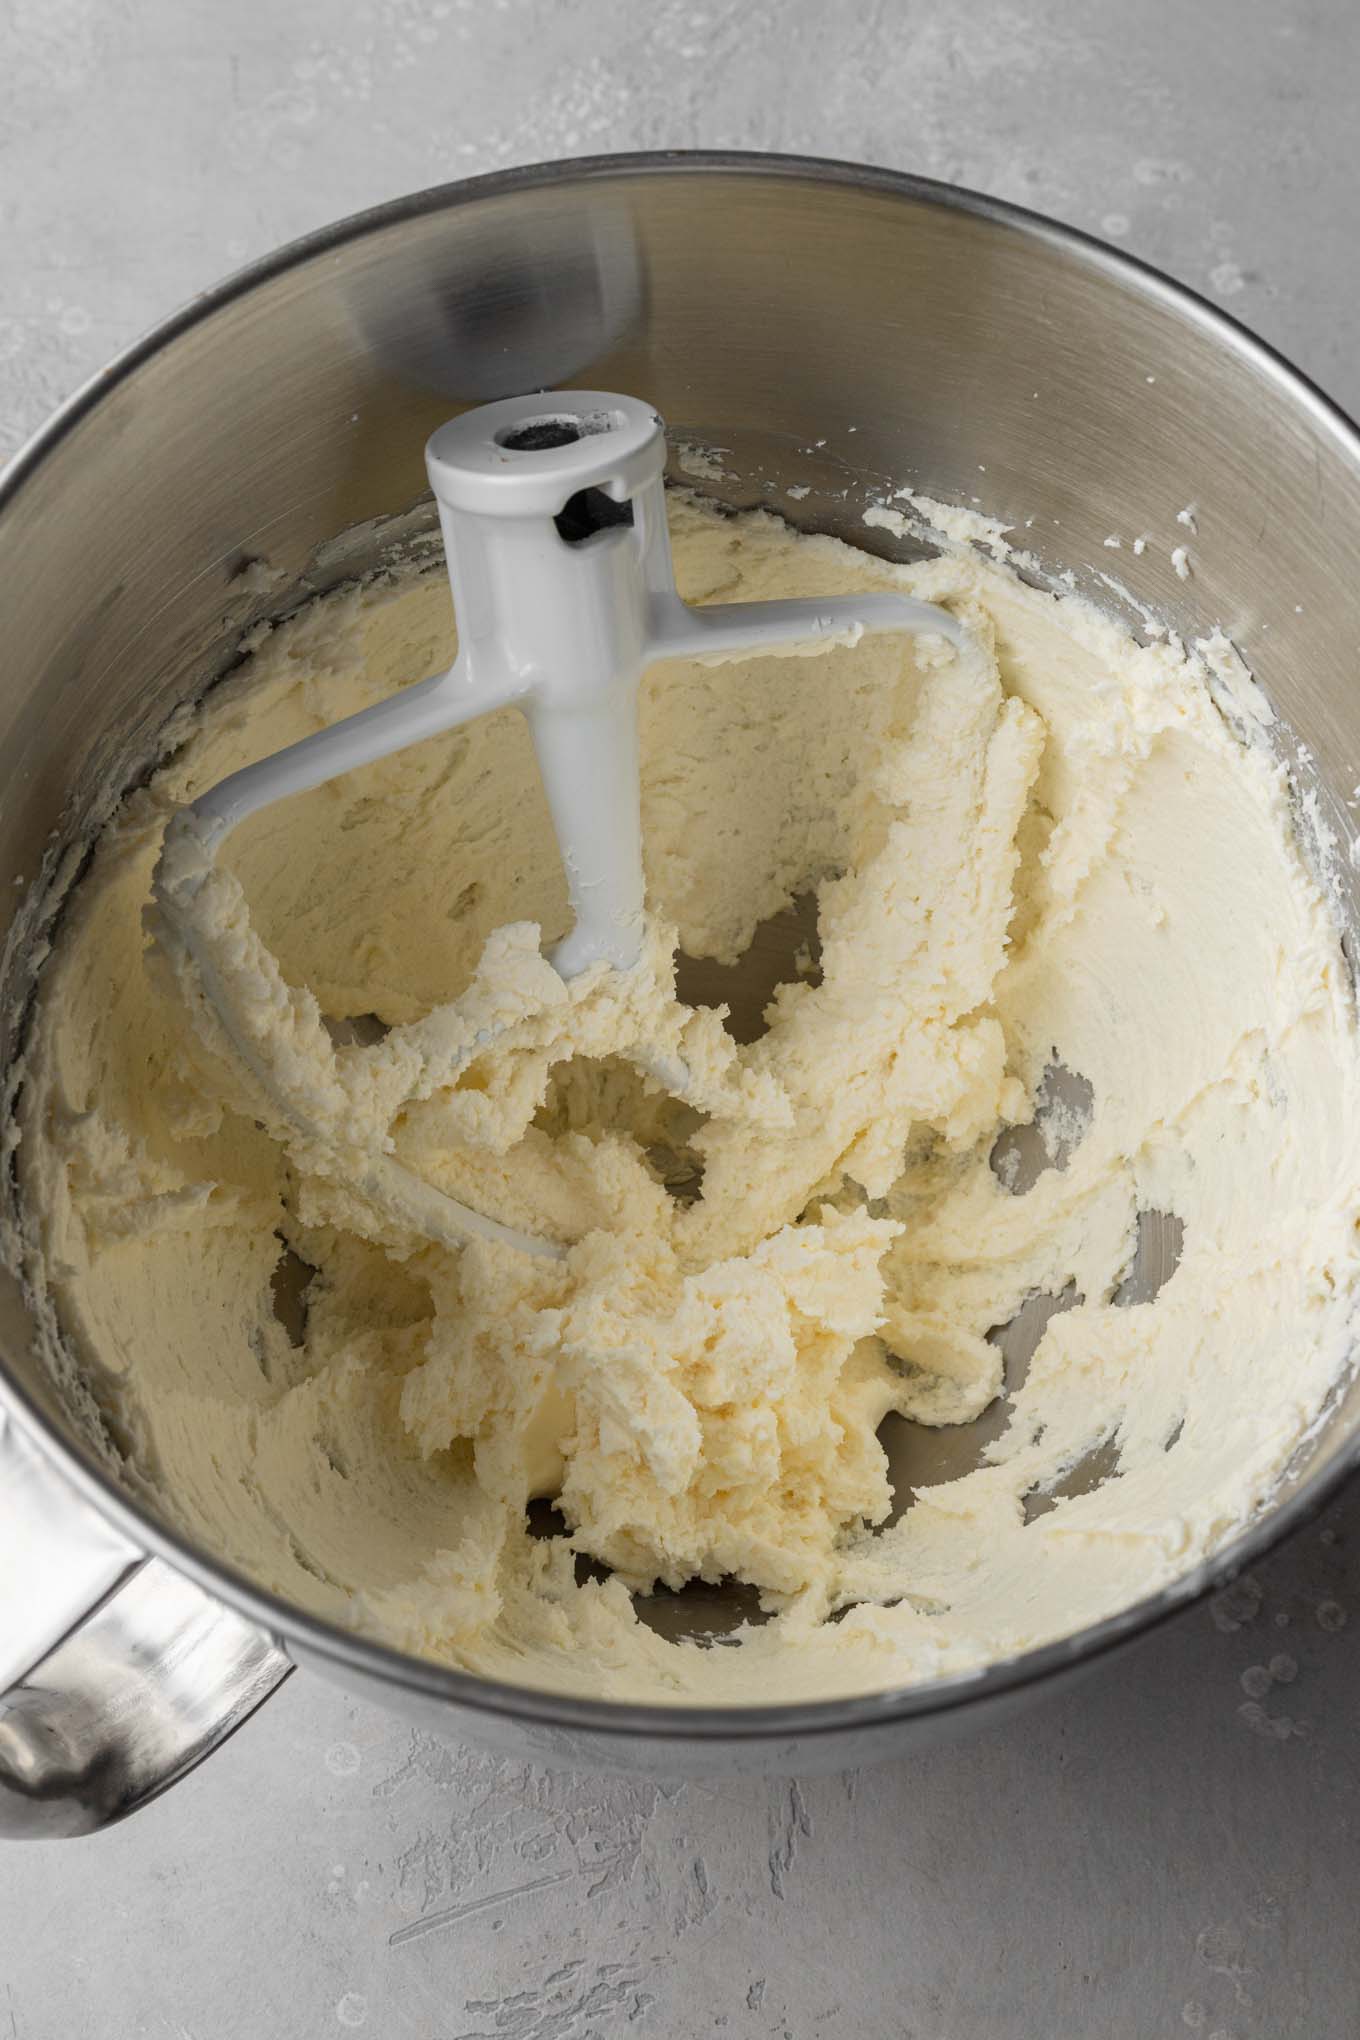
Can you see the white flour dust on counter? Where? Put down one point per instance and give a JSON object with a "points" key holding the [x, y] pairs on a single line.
{"points": [[1049, 850]]}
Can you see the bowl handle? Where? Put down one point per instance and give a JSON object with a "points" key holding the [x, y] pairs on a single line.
{"points": [[117, 1675]]}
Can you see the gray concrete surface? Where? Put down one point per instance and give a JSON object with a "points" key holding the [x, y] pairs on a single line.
{"points": [[1172, 1850]]}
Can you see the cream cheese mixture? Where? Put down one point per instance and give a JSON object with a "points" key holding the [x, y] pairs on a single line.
{"points": [[1059, 848]]}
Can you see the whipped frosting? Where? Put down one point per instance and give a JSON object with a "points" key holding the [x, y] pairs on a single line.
{"points": [[1056, 849]]}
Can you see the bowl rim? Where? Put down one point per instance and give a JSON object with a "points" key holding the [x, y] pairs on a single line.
{"points": [[531, 1706]]}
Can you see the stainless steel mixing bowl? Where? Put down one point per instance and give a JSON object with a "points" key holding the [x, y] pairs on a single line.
{"points": [[821, 324]]}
